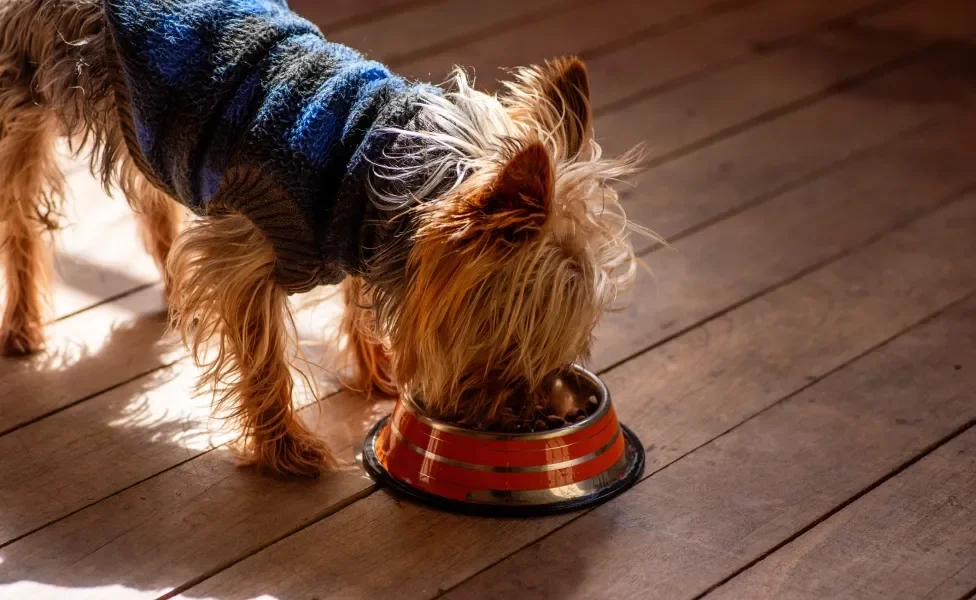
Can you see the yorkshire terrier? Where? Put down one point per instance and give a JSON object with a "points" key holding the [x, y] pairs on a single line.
{"points": [[476, 237]]}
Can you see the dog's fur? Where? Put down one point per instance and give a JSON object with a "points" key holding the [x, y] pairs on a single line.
{"points": [[518, 243]]}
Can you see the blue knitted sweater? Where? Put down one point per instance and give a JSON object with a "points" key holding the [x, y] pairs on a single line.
{"points": [[242, 105]]}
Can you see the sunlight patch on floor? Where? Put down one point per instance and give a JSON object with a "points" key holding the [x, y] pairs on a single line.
{"points": [[30, 590]]}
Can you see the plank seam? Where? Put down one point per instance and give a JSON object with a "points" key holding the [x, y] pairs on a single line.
{"points": [[405, 6], [331, 510], [825, 262], [768, 48], [810, 383], [843, 85], [676, 24], [827, 515], [105, 390], [108, 299], [93, 503], [140, 481], [800, 182], [461, 41]]}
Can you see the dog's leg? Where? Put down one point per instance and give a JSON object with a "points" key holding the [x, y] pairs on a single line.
{"points": [[158, 215], [30, 187], [369, 359], [223, 290]]}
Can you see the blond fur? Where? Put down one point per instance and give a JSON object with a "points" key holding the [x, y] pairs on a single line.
{"points": [[223, 292], [56, 79], [477, 324], [31, 183], [365, 353]]}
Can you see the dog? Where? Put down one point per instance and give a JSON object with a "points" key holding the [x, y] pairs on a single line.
{"points": [[477, 238]]}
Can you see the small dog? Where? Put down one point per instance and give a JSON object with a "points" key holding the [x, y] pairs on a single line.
{"points": [[476, 237]]}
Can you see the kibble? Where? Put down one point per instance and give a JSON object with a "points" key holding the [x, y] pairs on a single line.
{"points": [[541, 418]]}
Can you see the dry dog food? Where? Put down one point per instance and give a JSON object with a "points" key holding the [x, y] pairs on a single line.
{"points": [[543, 418]]}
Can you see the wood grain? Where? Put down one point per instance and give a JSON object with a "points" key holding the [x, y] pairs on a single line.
{"points": [[762, 248], [776, 241], [748, 253], [912, 537], [200, 515], [676, 397], [728, 173], [716, 43], [565, 32], [633, 331], [136, 429], [87, 270], [696, 521], [425, 29], [86, 353], [336, 15]]}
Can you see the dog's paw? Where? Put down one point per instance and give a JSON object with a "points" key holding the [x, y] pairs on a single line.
{"points": [[21, 341], [294, 454]]}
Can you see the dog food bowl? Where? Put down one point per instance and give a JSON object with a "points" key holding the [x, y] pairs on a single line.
{"points": [[508, 474]]}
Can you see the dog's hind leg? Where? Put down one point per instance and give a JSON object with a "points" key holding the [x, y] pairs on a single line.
{"points": [[368, 358], [31, 187], [159, 216], [223, 290]]}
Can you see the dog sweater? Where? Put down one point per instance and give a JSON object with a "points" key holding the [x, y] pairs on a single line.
{"points": [[242, 105]]}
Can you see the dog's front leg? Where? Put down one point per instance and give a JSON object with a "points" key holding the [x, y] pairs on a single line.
{"points": [[235, 318], [363, 351]]}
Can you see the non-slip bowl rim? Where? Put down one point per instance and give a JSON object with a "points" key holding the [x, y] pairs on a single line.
{"points": [[604, 406]]}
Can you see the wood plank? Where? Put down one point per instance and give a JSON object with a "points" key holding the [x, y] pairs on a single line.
{"points": [[698, 184], [587, 26], [722, 266], [396, 38], [803, 74], [86, 354], [719, 42], [689, 525], [684, 409], [92, 449], [766, 478], [912, 537], [620, 66], [336, 15], [90, 271], [87, 270]]}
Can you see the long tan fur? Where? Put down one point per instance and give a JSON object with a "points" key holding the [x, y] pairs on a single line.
{"points": [[56, 79], [30, 182], [223, 294], [365, 351], [512, 267]]}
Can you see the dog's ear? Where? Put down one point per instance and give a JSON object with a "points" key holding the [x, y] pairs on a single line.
{"points": [[519, 199], [564, 88]]}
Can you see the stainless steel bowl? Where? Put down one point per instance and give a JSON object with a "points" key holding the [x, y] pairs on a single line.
{"points": [[508, 474]]}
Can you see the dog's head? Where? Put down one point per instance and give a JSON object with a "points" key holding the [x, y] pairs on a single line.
{"points": [[518, 243]]}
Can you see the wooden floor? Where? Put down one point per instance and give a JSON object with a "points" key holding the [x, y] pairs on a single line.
{"points": [[801, 366]]}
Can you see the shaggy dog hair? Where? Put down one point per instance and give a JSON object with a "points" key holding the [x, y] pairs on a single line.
{"points": [[517, 241]]}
